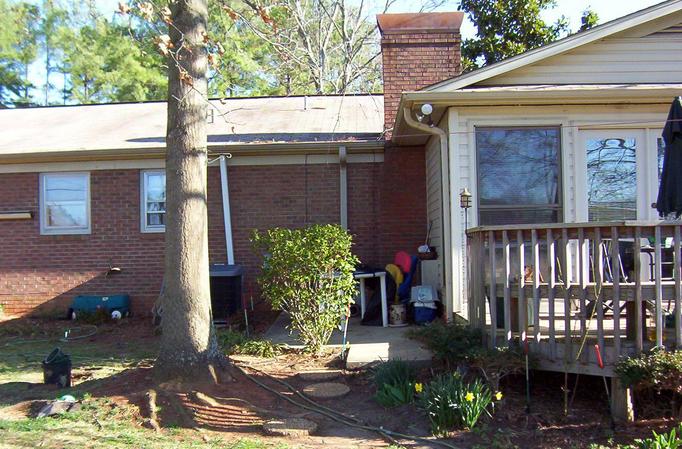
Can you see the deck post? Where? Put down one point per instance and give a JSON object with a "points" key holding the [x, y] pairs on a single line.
{"points": [[621, 402]]}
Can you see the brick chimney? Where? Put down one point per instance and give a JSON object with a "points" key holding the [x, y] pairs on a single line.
{"points": [[418, 49]]}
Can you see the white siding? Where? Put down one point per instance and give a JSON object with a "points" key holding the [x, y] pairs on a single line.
{"points": [[656, 58], [434, 210]]}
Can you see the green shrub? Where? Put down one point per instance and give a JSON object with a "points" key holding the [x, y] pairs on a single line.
{"points": [[658, 369], [451, 343], [233, 342], [670, 440], [308, 273], [395, 381], [450, 402]]}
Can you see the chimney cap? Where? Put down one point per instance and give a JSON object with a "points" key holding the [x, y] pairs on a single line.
{"points": [[422, 22]]}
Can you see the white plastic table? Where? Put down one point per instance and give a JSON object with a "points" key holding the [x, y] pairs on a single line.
{"points": [[381, 274]]}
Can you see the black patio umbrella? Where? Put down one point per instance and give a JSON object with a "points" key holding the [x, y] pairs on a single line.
{"points": [[670, 190]]}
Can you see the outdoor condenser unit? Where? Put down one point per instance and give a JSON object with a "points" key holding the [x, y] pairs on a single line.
{"points": [[226, 289]]}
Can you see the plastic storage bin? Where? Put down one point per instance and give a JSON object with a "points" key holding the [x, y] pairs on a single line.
{"points": [[93, 303], [424, 299]]}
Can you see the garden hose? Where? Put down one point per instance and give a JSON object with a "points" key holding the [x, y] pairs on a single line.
{"points": [[86, 330], [334, 414]]}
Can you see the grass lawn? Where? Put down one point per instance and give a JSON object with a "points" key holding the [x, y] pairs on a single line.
{"points": [[98, 425]]}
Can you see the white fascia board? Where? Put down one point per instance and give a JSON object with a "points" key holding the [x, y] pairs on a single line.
{"points": [[596, 95]]}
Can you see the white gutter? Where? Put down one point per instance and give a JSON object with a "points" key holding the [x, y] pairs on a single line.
{"points": [[226, 211], [343, 187], [445, 194]]}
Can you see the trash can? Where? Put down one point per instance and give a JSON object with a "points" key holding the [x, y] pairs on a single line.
{"points": [[57, 369]]}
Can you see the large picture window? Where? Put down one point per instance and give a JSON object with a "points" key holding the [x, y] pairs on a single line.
{"points": [[519, 175], [65, 203], [153, 201]]}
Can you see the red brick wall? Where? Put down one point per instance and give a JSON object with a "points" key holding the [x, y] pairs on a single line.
{"points": [[403, 213], [44, 272], [49, 270]]}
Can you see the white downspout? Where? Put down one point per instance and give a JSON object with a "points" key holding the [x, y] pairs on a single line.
{"points": [[227, 220], [445, 194]]}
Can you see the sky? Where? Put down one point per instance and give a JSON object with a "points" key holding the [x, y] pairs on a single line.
{"points": [[572, 9], [606, 10]]}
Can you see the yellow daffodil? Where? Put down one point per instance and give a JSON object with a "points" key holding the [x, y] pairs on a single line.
{"points": [[469, 396], [498, 395], [418, 387]]}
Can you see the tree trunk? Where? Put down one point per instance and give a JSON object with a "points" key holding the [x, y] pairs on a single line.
{"points": [[188, 344]]}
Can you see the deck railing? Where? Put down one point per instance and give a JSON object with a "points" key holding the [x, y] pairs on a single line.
{"points": [[559, 289]]}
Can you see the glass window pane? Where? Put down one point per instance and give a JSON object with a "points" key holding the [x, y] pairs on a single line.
{"points": [[67, 215], [518, 216], [155, 219], [611, 179], [518, 166], [156, 187], [65, 201], [156, 207], [155, 199], [65, 188]]}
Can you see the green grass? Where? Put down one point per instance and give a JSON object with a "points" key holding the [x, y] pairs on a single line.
{"points": [[81, 430], [22, 351]]}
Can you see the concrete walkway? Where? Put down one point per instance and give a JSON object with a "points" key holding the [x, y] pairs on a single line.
{"points": [[368, 344]]}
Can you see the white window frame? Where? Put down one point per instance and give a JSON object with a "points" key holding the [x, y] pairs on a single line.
{"points": [[144, 227], [61, 230]]}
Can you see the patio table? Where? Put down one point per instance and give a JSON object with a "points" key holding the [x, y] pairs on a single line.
{"points": [[381, 274]]}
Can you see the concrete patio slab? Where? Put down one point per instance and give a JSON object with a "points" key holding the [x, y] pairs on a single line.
{"points": [[368, 344]]}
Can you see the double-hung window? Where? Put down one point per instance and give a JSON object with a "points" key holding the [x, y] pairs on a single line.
{"points": [[519, 175], [153, 189], [65, 203]]}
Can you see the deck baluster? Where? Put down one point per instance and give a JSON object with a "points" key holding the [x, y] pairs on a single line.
{"points": [[599, 283], [566, 259], [659, 294], [582, 281], [507, 289], [678, 290], [615, 276], [551, 254], [492, 290], [522, 308], [637, 250], [536, 287]]}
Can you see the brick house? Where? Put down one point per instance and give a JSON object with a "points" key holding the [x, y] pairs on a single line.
{"points": [[81, 187]]}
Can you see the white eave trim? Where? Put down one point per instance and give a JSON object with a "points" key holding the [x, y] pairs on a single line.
{"points": [[595, 94], [558, 47]]}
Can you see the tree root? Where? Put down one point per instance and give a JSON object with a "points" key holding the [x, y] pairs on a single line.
{"points": [[217, 401], [152, 421]]}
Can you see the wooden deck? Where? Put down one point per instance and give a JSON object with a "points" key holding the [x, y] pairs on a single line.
{"points": [[561, 289]]}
